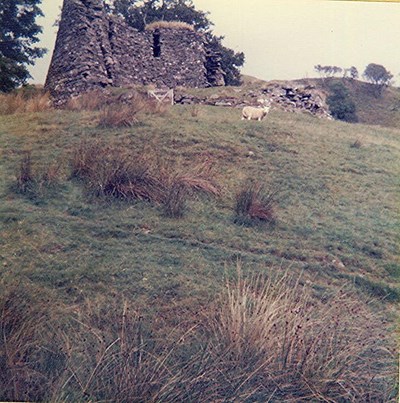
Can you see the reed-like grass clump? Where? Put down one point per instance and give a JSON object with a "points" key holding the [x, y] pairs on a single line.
{"points": [[115, 171], [294, 347], [255, 203]]}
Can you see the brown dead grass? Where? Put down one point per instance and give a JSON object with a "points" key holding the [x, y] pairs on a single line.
{"points": [[89, 101], [265, 339], [255, 203], [18, 102], [113, 170], [169, 25], [298, 348]]}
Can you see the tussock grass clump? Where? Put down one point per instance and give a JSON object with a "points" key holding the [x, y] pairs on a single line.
{"points": [[199, 178], [255, 204], [286, 345], [32, 357], [266, 339], [188, 181], [34, 182], [357, 144], [194, 110], [112, 170], [20, 102], [175, 202], [25, 177]]}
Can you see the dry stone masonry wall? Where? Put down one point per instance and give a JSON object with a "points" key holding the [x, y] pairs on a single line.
{"points": [[95, 50]]}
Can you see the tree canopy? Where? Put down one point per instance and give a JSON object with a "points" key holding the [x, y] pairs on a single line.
{"points": [[138, 14], [18, 34], [377, 74]]}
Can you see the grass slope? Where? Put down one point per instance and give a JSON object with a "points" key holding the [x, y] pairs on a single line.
{"points": [[337, 213], [371, 108]]}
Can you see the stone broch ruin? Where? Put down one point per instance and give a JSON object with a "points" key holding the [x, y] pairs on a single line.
{"points": [[96, 50]]}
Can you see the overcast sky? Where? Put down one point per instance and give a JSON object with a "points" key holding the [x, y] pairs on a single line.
{"points": [[285, 39]]}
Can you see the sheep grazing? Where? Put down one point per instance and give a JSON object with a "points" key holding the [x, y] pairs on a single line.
{"points": [[252, 113]]}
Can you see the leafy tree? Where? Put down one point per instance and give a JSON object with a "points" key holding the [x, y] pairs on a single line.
{"points": [[340, 104], [138, 14], [230, 61], [353, 73], [18, 34], [378, 76], [327, 71]]}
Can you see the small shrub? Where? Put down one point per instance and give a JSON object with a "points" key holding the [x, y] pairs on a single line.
{"points": [[340, 103], [255, 204]]}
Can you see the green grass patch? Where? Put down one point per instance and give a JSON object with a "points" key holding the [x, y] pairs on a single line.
{"points": [[336, 217]]}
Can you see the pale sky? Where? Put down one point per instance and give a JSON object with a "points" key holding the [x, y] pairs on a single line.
{"points": [[285, 39]]}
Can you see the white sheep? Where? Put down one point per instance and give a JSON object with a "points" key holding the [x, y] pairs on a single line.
{"points": [[252, 113]]}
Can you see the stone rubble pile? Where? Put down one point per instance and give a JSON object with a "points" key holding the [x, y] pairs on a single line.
{"points": [[284, 96]]}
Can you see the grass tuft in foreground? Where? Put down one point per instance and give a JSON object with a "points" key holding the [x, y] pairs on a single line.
{"points": [[265, 339]]}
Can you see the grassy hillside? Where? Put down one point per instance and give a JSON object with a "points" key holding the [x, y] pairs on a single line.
{"points": [[79, 259], [383, 110]]}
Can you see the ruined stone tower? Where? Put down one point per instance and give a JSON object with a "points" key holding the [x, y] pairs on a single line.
{"points": [[94, 49]]}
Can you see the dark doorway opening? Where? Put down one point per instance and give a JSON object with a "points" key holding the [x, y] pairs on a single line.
{"points": [[156, 44]]}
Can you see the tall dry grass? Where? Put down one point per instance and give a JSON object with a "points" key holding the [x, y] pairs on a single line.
{"points": [[89, 101], [289, 346], [18, 102], [265, 341], [115, 171], [119, 116], [255, 203], [116, 110]]}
